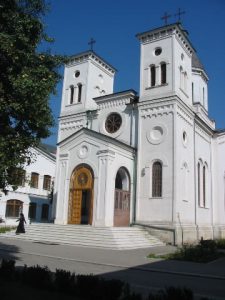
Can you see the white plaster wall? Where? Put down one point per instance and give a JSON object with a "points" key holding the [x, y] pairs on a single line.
{"points": [[155, 209], [181, 58], [148, 58], [219, 180], [125, 133], [104, 159], [199, 84], [184, 168], [203, 152]]}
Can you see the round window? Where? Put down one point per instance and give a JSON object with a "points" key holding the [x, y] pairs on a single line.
{"points": [[77, 73], [113, 123], [158, 51]]}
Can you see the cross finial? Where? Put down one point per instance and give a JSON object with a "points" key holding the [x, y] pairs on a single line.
{"points": [[91, 43], [166, 17], [179, 13]]}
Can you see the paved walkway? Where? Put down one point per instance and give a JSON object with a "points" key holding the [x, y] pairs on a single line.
{"points": [[130, 265]]}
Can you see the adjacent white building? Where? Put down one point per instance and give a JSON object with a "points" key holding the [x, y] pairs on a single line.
{"points": [[33, 195], [155, 159]]}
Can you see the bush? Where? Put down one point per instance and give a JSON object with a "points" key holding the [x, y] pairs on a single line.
{"points": [[172, 293], [64, 281], [39, 277], [7, 269], [220, 243]]}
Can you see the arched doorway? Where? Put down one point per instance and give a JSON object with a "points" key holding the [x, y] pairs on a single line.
{"points": [[122, 198], [81, 196]]}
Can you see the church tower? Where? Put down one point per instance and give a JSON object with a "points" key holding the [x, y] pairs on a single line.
{"points": [[86, 76], [166, 63]]}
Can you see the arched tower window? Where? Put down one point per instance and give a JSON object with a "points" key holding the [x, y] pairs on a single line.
{"points": [[163, 73], [152, 72], [79, 92], [204, 186], [157, 179], [71, 94]]}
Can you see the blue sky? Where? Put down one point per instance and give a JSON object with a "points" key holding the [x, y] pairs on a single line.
{"points": [[114, 24]]}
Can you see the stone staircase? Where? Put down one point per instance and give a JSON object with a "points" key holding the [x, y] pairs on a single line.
{"points": [[120, 238]]}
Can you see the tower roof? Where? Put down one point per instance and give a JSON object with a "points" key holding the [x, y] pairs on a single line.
{"points": [[167, 30], [90, 54], [196, 62]]}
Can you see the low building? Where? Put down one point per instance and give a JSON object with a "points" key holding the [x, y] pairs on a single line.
{"points": [[34, 193]]}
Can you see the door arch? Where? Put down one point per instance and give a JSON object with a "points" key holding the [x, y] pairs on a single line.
{"points": [[80, 210], [122, 198]]}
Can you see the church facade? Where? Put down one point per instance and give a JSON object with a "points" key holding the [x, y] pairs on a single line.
{"points": [[153, 159]]}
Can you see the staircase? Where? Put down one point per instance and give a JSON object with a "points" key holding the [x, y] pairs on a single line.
{"points": [[120, 238]]}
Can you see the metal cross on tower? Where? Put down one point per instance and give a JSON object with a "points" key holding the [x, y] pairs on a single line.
{"points": [[166, 17], [91, 43], [179, 14]]}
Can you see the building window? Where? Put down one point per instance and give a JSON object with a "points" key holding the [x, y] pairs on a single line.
{"points": [[152, 71], [44, 211], [163, 73], [157, 179], [32, 211], [203, 96], [113, 123], [13, 208], [18, 176], [192, 86], [79, 92], [71, 94], [47, 183], [34, 180], [204, 186], [199, 184]]}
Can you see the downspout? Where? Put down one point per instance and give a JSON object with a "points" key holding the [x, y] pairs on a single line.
{"points": [[134, 165]]}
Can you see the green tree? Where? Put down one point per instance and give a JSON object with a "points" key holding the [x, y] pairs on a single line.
{"points": [[27, 78]]}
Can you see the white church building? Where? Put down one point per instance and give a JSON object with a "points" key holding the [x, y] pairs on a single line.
{"points": [[153, 159]]}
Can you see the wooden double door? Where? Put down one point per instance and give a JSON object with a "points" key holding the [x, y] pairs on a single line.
{"points": [[81, 196]]}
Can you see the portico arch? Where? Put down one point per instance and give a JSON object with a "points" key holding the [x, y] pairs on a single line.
{"points": [[122, 198], [80, 210]]}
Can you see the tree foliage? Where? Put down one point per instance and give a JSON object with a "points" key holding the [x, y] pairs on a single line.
{"points": [[28, 76]]}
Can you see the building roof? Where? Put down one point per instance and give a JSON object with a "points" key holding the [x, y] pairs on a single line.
{"points": [[196, 63], [89, 54], [48, 149]]}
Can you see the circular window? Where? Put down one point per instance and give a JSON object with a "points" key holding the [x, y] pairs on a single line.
{"points": [[113, 123], [77, 73], [158, 51]]}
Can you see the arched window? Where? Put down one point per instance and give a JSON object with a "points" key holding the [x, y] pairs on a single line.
{"points": [[44, 211], [13, 208], [192, 91], [34, 180], [47, 183], [79, 92], [152, 71], [199, 184], [71, 94], [32, 210], [163, 73], [204, 186], [157, 179]]}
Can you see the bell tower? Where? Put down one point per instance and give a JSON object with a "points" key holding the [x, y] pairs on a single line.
{"points": [[166, 63]]}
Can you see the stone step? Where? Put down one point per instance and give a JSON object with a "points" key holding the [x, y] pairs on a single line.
{"points": [[88, 236]]}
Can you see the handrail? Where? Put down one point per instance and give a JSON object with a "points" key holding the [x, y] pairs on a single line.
{"points": [[158, 228]]}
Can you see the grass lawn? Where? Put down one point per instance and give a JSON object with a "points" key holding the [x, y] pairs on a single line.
{"points": [[4, 229], [201, 253]]}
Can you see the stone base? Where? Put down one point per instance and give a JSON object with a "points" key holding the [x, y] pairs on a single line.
{"points": [[177, 234]]}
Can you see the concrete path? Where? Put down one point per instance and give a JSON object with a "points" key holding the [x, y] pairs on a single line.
{"points": [[132, 266]]}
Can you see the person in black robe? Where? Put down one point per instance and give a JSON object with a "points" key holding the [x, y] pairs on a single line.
{"points": [[20, 228]]}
